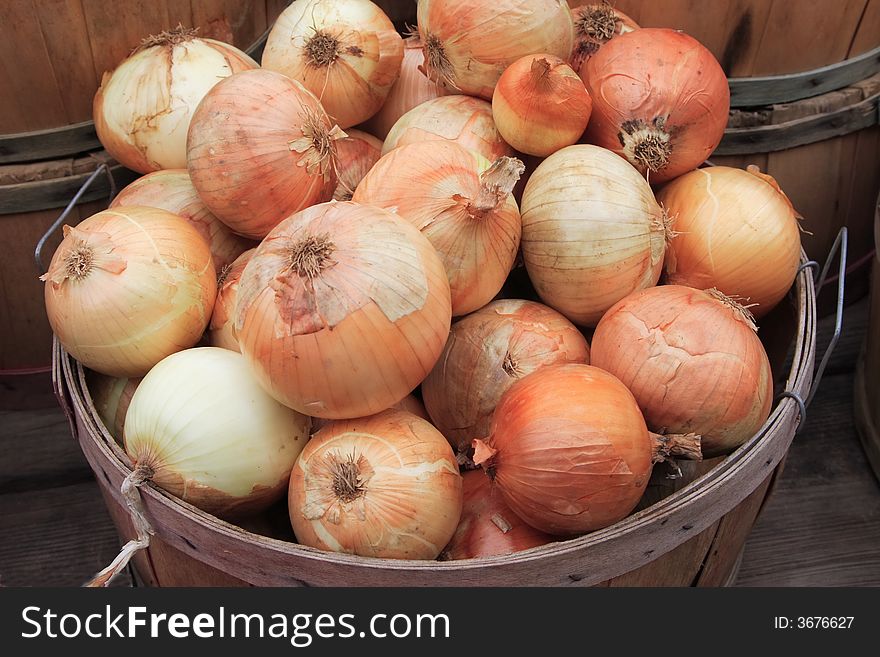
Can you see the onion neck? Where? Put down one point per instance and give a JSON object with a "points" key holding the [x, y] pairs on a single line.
{"points": [[679, 445], [496, 185], [540, 72], [178, 35], [484, 455]]}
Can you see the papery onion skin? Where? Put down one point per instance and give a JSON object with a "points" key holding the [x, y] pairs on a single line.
{"points": [[221, 331], [356, 155], [738, 233], [693, 363], [592, 232], [261, 147], [487, 352], [660, 99], [129, 286], [210, 435], [462, 119], [462, 203], [143, 108], [383, 486], [346, 52], [594, 26], [343, 310], [469, 43], [111, 397], [410, 404], [172, 190]]}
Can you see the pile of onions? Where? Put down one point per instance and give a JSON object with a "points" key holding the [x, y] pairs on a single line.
{"points": [[356, 155], [462, 203], [383, 486], [143, 108], [172, 190], [410, 404], [222, 328], [569, 449], [200, 427], [261, 147], [111, 397], [469, 43], [594, 26], [739, 233], [592, 232], [343, 310], [487, 352], [693, 362], [462, 119], [128, 287], [487, 526], [346, 52], [540, 105], [660, 99]]}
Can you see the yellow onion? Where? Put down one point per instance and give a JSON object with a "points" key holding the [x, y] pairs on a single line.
{"points": [[540, 105], [594, 26], [200, 427], [112, 397], [487, 352], [128, 287], [469, 43], [738, 233], [143, 108], [383, 486], [462, 119], [222, 328], [260, 147], [410, 404], [693, 361], [592, 232], [343, 310], [346, 52], [356, 155], [172, 190], [462, 203]]}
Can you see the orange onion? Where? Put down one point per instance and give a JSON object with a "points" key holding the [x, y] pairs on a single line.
{"points": [[592, 232], [540, 105], [346, 52], [383, 486], [128, 287], [660, 99], [487, 352], [143, 108], [462, 119], [111, 397], [594, 26], [260, 147], [356, 155], [488, 527], [569, 450], [462, 203], [222, 327], [410, 404], [343, 310], [693, 361], [738, 233], [172, 190], [469, 43]]}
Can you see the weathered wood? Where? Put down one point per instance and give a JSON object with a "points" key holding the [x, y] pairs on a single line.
{"points": [[45, 144]]}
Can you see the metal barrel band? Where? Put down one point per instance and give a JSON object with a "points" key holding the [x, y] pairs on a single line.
{"points": [[810, 264], [801, 404]]}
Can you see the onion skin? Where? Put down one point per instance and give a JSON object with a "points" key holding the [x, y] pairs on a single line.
{"points": [[663, 85], [402, 490], [410, 404], [462, 119], [592, 232], [261, 147], [357, 154], [487, 352], [222, 328], [112, 397], [594, 26], [350, 328], [693, 363], [739, 233]]}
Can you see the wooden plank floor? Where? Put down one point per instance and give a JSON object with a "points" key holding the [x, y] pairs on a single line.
{"points": [[821, 527]]}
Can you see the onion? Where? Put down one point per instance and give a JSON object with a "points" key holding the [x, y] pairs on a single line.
{"points": [[222, 327], [592, 232], [143, 108], [383, 486], [261, 147], [739, 233], [112, 397], [594, 26], [357, 154], [201, 427], [346, 52], [410, 404], [462, 119], [469, 43], [660, 99], [462, 204], [128, 287], [540, 105], [487, 352], [488, 527], [173, 190], [411, 89], [693, 362], [343, 310], [569, 467]]}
